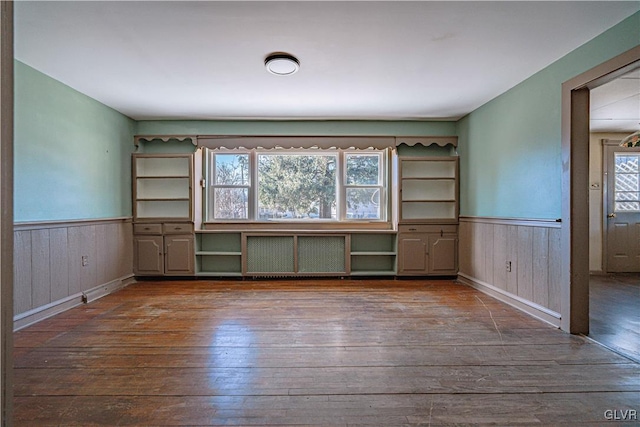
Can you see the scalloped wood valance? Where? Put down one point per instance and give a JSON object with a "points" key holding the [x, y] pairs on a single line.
{"points": [[294, 142], [165, 138], [302, 142], [442, 141]]}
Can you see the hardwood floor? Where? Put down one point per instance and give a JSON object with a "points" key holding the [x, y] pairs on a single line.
{"points": [[313, 352], [614, 312]]}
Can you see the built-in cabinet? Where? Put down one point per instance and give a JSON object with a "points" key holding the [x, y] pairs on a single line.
{"points": [[166, 241], [428, 250], [163, 239], [428, 216], [278, 253]]}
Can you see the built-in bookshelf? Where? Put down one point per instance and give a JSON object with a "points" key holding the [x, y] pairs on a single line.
{"points": [[162, 187], [428, 189], [219, 254], [373, 254]]}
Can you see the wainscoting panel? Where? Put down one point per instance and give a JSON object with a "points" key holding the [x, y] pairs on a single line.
{"points": [[517, 261], [56, 262]]}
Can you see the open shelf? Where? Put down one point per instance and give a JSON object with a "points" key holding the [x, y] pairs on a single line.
{"points": [[428, 189], [162, 186], [219, 254], [373, 254]]}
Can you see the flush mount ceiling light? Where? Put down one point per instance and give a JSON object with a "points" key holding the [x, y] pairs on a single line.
{"points": [[282, 64]]}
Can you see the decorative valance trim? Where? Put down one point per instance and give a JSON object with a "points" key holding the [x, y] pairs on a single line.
{"points": [[165, 138], [426, 141], [292, 142]]}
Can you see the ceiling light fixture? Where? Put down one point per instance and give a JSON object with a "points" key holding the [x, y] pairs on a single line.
{"points": [[632, 140], [282, 64]]}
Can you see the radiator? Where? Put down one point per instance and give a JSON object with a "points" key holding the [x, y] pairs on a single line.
{"points": [[286, 256]]}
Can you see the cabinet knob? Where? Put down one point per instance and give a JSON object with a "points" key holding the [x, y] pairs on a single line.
{"points": [[147, 228], [178, 228], [412, 229]]}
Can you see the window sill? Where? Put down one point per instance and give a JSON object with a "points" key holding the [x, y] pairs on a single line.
{"points": [[311, 227]]}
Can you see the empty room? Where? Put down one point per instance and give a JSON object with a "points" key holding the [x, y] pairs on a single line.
{"points": [[320, 213]]}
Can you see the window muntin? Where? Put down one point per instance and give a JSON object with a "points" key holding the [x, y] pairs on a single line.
{"points": [[309, 185], [627, 183]]}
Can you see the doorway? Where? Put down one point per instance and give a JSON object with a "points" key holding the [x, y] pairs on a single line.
{"points": [[575, 186], [614, 192]]}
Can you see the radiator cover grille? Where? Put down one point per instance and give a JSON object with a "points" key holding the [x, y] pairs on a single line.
{"points": [[321, 254], [270, 254], [276, 255]]}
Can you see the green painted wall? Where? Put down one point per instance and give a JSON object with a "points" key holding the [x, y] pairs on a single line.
{"points": [[72, 154], [302, 127], [510, 156]]}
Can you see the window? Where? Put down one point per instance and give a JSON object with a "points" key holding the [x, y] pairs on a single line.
{"points": [[231, 184], [297, 185], [627, 183], [363, 186]]}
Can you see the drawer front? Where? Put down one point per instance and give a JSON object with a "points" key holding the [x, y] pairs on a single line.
{"points": [[431, 228], [147, 228], [177, 228]]}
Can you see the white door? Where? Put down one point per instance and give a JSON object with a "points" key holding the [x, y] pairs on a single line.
{"points": [[622, 210]]}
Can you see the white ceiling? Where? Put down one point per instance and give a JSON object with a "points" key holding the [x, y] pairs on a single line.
{"points": [[615, 106], [359, 60]]}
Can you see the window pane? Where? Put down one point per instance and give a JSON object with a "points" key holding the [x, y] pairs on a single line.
{"points": [[626, 182], [232, 169], [231, 203], [363, 169], [627, 206], [296, 186], [627, 195], [627, 163], [363, 203]]}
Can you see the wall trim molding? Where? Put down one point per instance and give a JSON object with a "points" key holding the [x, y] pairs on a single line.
{"points": [[46, 311], [107, 288], [39, 225], [531, 308], [527, 222]]}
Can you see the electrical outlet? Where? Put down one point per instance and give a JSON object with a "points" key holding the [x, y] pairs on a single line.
{"points": [[85, 260], [509, 266]]}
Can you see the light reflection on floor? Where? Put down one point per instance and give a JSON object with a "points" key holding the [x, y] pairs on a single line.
{"points": [[233, 355]]}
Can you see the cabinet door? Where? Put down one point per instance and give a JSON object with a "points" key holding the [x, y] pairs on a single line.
{"points": [[179, 254], [413, 256], [443, 254], [148, 258]]}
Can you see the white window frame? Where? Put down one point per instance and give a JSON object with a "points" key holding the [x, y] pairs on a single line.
{"points": [[384, 181], [211, 185], [381, 185]]}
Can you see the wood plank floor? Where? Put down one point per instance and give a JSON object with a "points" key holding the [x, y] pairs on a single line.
{"points": [[312, 352], [614, 312]]}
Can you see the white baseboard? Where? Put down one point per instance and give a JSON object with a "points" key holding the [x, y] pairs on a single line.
{"points": [[529, 307], [106, 289], [30, 317]]}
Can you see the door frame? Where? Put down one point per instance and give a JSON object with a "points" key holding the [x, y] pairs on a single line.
{"points": [[575, 187], [6, 213]]}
